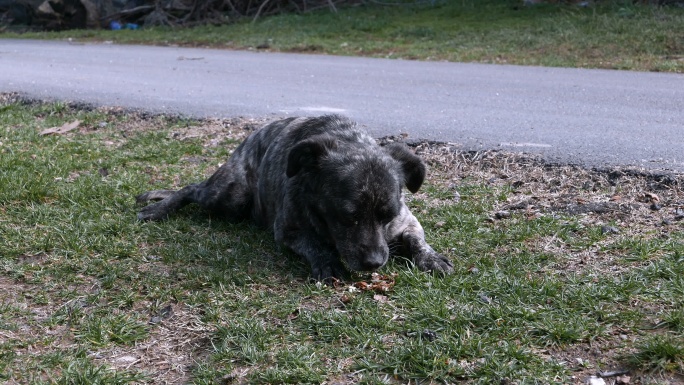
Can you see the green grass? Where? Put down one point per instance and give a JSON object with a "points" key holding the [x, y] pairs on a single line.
{"points": [[614, 34], [660, 353], [90, 295]]}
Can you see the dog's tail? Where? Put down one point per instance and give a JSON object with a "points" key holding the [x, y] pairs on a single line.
{"points": [[155, 195]]}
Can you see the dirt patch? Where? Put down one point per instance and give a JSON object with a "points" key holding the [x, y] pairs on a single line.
{"points": [[178, 339], [214, 131], [27, 328]]}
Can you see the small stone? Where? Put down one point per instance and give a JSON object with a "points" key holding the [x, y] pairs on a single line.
{"points": [[485, 299], [679, 214], [77, 304], [609, 230], [622, 380], [593, 380], [502, 214], [440, 224], [429, 335], [579, 361], [517, 184], [163, 313], [613, 373], [457, 196], [126, 359]]}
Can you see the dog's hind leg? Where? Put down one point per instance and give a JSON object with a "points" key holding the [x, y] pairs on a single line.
{"points": [[155, 195], [169, 201]]}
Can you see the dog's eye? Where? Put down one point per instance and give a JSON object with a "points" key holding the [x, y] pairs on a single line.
{"points": [[349, 220], [349, 216], [386, 215]]}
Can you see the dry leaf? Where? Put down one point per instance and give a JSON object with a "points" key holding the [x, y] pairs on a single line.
{"points": [[362, 286], [346, 298], [379, 283], [66, 127], [294, 315], [651, 197]]}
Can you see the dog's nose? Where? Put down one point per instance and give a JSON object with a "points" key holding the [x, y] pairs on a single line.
{"points": [[374, 262]]}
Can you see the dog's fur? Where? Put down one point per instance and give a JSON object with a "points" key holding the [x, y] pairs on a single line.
{"points": [[324, 187]]}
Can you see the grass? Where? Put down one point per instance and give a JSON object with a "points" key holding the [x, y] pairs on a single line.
{"points": [[90, 295], [613, 35]]}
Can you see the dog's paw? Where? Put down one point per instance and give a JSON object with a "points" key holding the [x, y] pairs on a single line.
{"points": [[142, 198], [153, 212], [328, 273], [434, 262]]}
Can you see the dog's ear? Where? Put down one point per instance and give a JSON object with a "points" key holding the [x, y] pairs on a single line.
{"points": [[307, 154], [413, 167]]}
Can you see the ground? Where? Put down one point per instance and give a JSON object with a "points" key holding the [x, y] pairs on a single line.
{"points": [[562, 272]]}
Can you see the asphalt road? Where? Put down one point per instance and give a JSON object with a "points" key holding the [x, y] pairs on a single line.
{"points": [[591, 117]]}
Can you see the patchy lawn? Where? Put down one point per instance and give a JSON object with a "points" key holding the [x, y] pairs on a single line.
{"points": [[561, 272]]}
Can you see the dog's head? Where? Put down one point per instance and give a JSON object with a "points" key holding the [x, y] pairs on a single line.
{"points": [[353, 192]]}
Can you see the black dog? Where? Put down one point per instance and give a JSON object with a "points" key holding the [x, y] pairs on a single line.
{"points": [[324, 187]]}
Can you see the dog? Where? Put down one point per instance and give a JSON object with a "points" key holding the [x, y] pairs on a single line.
{"points": [[324, 187]]}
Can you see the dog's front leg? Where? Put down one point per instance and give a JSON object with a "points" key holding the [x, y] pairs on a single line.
{"points": [[325, 263], [408, 230], [422, 254]]}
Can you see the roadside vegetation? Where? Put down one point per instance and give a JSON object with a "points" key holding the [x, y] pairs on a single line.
{"points": [[560, 272], [609, 34]]}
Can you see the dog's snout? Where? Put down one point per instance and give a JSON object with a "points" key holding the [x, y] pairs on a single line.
{"points": [[374, 261]]}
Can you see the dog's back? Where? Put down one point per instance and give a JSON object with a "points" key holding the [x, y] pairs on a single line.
{"points": [[257, 164]]}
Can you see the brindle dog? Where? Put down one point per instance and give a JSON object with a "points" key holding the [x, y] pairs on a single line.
{"points": [[324, 187]]}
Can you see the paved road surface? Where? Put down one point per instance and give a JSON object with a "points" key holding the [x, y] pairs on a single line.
{"points": [[592, 117]]}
